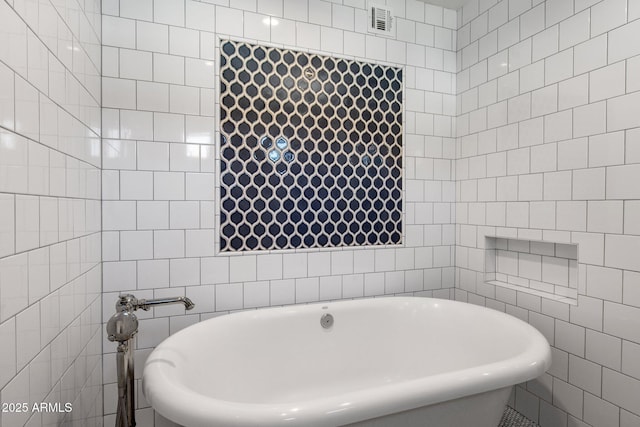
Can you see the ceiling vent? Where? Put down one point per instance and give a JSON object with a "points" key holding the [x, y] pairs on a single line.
{"points": [[380, 20]]}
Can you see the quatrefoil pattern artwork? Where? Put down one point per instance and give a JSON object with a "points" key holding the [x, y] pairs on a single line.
{"points": [[311, 150]]}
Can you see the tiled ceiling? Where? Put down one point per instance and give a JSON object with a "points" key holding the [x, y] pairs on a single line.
{"points": [[449, 4]]}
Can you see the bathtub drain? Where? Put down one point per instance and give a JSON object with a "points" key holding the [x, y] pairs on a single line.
{"points": [[326, 321]]}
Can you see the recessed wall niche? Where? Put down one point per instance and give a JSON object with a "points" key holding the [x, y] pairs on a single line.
{"points": [[311, 150], [545, 269]]}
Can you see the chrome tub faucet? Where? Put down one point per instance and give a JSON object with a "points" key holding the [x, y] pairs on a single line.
{"points": [[121, 328]]}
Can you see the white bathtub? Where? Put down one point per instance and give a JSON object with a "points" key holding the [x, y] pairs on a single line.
{"points": [[384, 362]]}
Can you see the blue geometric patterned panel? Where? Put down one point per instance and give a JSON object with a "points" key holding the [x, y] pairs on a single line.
{"points": [[311, 150]]}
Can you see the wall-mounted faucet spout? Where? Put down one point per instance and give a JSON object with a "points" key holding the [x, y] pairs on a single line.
{"points": [[147, 304]]}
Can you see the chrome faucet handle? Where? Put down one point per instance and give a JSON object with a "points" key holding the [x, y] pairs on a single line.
{"points": [[127, 302]]}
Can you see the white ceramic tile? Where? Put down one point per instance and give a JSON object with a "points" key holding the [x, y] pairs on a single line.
{"points": [[630, 353], [620, 112], [530, 187], [342, 262], [141, 10], [7, 224], [168, 69], [200, 16], [608, 15], [119, 276], [184, 272], [631, 212], [38, 274], [282, 292], [13, 285], [37, 57], [586, 375], [242, 268], [519, 108], [152, 97], [269, 267], [619, 389], [573, 92], [27, 335], [589, 119], [184, 100], [200, 243], [542, 215], [118, 32], [136, 245], [529, 266], [620, 182], [295, 10], [545, 100], [200, 186], [152, 37], [571, 216], [619, 251], [295, 265], [627, 419], [319, 263], [256, 294], [604, 283], [199, 73], [570, 337], [184, 157], [559, 67], [38, 169], [199, 130], [331, 288], [8, 351], [169, 12], [119, 93], [574, 30], [285, 31], [184, 42], [606, 149], [607, 82], [619, 48], [604, 349], [135, 64], [152, 215], [543, 158], [168, 244], [589, 184], [27, 109], [545, 43], [27, 222], [590, 55], [605, 216], [307, 290], [168, 127], [168, 186], [7, 98], [153, 156], [229, 21]]}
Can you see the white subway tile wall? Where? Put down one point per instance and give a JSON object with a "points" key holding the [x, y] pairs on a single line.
{"points": [[521, 123], [160, 160], [557, 139], [50, 213]]}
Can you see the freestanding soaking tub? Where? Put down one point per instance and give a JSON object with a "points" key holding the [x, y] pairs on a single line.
{"points": [[398, 361]]}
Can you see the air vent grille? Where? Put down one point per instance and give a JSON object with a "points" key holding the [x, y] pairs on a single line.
{"points": [[381, 19]]}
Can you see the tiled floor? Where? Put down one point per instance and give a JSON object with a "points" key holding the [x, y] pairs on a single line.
{"points": [[511, 418]]}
